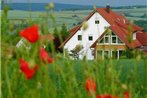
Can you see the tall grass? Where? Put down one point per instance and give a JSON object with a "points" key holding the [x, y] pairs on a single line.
{"points": [[66, 78]]}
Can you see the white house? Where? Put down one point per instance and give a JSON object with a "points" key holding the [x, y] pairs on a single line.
{"points": [[106, 33]]}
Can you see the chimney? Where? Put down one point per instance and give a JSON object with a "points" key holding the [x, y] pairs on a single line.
{"points": [[108, 8]]}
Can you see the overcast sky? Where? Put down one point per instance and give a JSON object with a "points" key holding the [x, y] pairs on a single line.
{"points": [[90, 2]]}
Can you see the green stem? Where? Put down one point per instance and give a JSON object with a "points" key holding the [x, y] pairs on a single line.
{"points": [[8, 82]]}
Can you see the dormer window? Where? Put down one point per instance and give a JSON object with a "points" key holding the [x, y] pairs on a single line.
{"points": [[134, 36], [97, 22], [79, 37]]}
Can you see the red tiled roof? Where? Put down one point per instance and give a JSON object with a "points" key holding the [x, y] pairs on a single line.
{"points": [[74, 29], [118, 24], [142, 37]]}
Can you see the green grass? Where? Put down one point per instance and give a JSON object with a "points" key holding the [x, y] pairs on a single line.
{"points": [[66, 78]]}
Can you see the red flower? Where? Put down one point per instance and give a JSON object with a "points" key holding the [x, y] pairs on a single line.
{"points": [[28, 72], [115, 96], [104, 96], [126, 95], [30, 33], [44, 56], [90, 86]]}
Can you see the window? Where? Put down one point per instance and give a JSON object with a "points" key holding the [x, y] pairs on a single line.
{"points": [[114, 39], [99, 53], [119, 41], [90, 38], [122, 53], [107, 39], [106, 54], [110, 39], [114, 54], [134, 36], [97, 22], [79, 37]]}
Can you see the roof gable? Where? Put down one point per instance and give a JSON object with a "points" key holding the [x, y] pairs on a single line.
{"points": [[102, 36], [118, 24]]}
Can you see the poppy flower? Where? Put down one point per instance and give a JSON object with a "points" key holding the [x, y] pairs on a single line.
{"points": [[126, 95], [104, 96], [90, 85], [44, 56], [31, 33], [115, 96], [28, 72]]}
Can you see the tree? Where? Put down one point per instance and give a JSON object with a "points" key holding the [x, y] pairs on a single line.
{"points": [[64, 31], [60, 37], [75, 52], [57, 40]]}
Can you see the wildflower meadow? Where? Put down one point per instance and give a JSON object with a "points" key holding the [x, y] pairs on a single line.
{"points": [[37, 70]]}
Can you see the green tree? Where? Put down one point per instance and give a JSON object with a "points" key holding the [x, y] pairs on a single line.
{"points": [[57, 40], [64, 31], [75, 51]]}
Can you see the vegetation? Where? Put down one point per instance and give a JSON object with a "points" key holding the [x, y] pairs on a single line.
{"points": [[142, 23], [59, 37], [60, 77], [76, 51]]}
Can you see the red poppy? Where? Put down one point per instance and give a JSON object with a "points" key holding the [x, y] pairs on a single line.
{"points": [[90, 86], [28, 72], [126, 95], [30, 33], [104, 96], [44, 56], [115, 96]]}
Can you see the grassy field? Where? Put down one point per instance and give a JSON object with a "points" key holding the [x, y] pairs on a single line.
{"points": [[73, 17], [66, 78]]}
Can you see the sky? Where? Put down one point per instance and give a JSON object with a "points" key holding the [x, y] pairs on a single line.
{"points": [[90, 2]]}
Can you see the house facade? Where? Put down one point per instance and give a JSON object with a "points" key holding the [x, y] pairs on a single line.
{"points": [[108, 34]]}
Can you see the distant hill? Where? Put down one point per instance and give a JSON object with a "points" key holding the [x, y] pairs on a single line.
{"points": [[41, 6], [58, 6]]}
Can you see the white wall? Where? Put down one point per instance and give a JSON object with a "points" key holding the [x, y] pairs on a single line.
{"points": [[93, 29]]}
